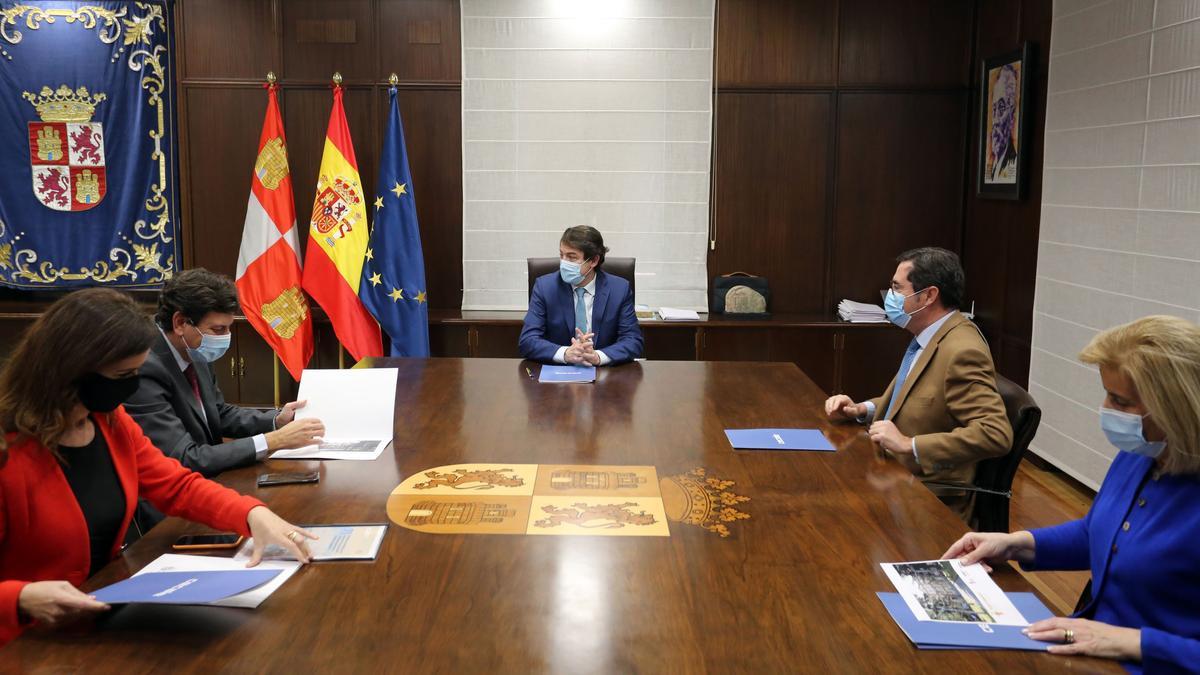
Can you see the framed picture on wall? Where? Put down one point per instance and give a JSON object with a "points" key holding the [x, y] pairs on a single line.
{"points": [[1003, 104]]}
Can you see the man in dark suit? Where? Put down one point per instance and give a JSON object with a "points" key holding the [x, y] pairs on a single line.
{"points": [[178, 402], [581, 315]]}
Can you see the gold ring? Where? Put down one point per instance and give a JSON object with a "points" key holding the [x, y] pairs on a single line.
{"points": [[292, 535], [1068, 635]]}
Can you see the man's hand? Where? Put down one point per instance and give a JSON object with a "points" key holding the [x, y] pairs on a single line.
{"points": [[888, 437], [842, 407], [288, 413], [581, 349], [297, 434]]}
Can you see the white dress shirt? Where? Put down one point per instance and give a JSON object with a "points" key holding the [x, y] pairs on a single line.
{"points": [[589, 298], [260, 440]]}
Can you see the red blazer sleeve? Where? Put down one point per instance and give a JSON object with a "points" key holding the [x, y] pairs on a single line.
{"points": [[10, 592], [177, 491]]}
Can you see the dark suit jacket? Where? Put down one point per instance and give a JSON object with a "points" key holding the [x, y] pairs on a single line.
{"points": [[950, 404], [166, 408], [550, 321]]}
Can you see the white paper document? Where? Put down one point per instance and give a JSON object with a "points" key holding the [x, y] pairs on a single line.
{"points": [[673, 314], [861, 312], [357, 407], [945, 590], [174, 562], [337, 542]]}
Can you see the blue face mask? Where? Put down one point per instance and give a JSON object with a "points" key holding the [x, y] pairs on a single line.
{"points": [[1124, 431], [212, 347], [893, 304], [571, 272]]}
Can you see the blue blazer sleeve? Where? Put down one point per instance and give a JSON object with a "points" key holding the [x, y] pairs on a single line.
{"points": [[1061, 547], [533, 343], [629, 342], [1164, 652]]}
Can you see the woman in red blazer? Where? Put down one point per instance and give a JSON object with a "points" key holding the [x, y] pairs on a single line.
{"points": [[73, 463]]}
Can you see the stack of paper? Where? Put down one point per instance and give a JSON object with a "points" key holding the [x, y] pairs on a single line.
{"points": [[356, 406], [861, 312], [334, 542], [942, 604], [173, 562], [672, 314]]}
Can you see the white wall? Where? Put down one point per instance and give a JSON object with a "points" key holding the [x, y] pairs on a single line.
{"points": [[580, 112], [1120, 229]]}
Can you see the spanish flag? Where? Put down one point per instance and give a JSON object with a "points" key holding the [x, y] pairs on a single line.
{"points": [[268, 269], [337, 241]]}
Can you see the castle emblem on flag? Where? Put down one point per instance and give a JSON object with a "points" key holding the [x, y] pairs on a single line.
{"points": [[286, 312], [66, 149], [335, 212], [271, 167]]}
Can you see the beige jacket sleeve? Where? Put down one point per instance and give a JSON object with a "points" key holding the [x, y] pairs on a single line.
{"points": [[972, 399]]}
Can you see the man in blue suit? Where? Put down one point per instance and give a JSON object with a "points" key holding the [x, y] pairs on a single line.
{"points": [[581, 315]]}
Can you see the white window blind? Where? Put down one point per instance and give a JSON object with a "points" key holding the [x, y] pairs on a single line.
{"points": [[586, 113]]}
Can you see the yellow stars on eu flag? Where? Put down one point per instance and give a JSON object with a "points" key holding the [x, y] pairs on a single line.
{"points": [[370, 254], [378, 203], [400, 189], [375, 279], [397, 294], [420, 298]]}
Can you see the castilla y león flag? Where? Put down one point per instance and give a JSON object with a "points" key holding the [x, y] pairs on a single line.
{"points": [[268, 270], [337, 241]]}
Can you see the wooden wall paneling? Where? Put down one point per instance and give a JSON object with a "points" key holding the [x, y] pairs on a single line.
{"points": [[320, 37], [776, 42], [11, 330], [669, 343], [221, 135], [899, 182], [420, 40], [1000, 237], [812, 349], [433, 136], [248, 24], [918, 43], [869, 360], [326, 347], [770, 179], [226, 370]]}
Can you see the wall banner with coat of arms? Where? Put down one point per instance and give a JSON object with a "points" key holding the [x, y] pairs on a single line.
{"points": [[88, 194]]}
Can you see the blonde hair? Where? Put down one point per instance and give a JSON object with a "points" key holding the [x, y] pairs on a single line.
{"points": [[1161, 356]]}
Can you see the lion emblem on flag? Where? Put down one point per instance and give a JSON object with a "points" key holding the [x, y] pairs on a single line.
{"points": [[66, 149], [336, 213]]}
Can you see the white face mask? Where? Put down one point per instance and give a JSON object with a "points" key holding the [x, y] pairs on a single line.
{"points": [[1124, 431], [212, 347]]}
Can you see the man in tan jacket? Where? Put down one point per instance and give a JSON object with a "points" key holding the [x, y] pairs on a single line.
{"points": [[942, 413]]}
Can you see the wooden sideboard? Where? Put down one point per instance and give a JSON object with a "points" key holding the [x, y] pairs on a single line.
{"points": [[840, 357]]}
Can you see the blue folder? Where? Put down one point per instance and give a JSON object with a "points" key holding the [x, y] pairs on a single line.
{"points": [[184, 588], [567, 374], [779, 439], [948, 635]]}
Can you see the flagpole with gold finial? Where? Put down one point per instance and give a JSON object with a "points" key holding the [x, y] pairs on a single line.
{"points": [[337, 79], [271, 78], [393, 80]]}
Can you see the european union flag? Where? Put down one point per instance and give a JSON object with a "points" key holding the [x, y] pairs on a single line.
{"points": [[393, 281]]}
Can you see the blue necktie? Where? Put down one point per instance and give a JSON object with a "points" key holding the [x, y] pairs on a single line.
{"points": [[580, 310], [909, 355]]}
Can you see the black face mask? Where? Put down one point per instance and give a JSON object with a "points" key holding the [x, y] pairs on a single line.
{"points": [[103, 394]]}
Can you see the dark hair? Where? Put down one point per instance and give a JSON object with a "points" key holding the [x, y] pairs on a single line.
{"points": [[587, 239], [196, 292], [80, 334], [933, 266]]}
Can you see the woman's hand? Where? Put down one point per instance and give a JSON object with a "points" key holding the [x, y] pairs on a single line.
{"points": [[268, 528], [1090, 638], [992, 547], [56, 602]]}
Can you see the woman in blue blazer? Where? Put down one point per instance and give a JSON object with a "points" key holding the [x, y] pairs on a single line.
{"points": [[1140, 537]]}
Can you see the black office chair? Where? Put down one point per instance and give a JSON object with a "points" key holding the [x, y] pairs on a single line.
{"points": [[994, 477], [621, 267]]}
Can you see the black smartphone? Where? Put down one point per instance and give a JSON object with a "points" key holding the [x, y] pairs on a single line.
{"points": [[268, 479], [194, 541]]}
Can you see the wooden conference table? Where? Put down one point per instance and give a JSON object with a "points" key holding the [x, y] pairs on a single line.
{"points": [[790, 589]]}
